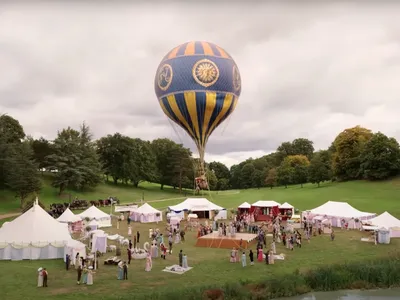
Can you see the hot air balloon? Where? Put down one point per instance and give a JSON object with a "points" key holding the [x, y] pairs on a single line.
{"points": [[198, 85]]}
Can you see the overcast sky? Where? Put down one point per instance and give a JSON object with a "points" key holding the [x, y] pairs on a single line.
{"points": [[307, 71]]}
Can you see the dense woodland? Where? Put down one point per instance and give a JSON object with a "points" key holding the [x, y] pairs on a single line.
{"points": [[79, 162]]}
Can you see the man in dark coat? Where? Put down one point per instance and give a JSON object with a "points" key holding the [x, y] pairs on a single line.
{"points": [[45, 274], [129, 256], [125, 267], [67, 262], [138, 237], [79, 270], [180, 258]]}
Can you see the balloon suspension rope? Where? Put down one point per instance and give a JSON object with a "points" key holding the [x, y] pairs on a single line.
{"points": [[226, 125]]}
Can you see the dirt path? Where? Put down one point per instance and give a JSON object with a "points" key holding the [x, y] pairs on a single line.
{"points": [[11, 215]]}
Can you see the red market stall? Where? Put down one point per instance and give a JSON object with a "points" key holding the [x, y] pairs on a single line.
{"points": [[286, 211], [265, 210], [244, 208]]}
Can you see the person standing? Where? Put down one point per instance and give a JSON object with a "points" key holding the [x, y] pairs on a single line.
{"points": [[90, 276], [251, 256], [149, 263], [129, 256], [184, 262], [138, 237], [84, 275], [130, 244], [79, 270], [67, 262], [180, 258], [125, 268], [170, 240], [45, 275], [244, 263], [134, 242], [129, 231], [40, 277]]}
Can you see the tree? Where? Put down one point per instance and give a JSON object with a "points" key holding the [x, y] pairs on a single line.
{"points": [[302, 146], [220, 170], [168, 155], [74, 160], [246, 176], [141, 162], [348, 146], [10, 129], [380, 158], [212, 180], [223, 184], [285, 173], [258, 179], [272, 178], [22, 177], [41, 149], [319, 170], [11, 135], [300, 164], [284, 150]]}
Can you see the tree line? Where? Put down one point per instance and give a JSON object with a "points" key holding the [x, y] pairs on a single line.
{"points": [[78, 162]]}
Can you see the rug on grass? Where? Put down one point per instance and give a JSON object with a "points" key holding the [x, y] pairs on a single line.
{"points": [[176, 269]]}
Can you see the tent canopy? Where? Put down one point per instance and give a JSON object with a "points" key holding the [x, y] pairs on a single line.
{"points": [[385, 220], [35, 226], [147, 209], [339, 209], [94, 213], [265, 203], [286, 206], [68, 217], [195, 204], [244, 205]]}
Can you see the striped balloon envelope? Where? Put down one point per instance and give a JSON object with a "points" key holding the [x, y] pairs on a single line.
{"points": [[198, 85]]}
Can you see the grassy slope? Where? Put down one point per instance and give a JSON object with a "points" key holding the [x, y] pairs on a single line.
{"points": [[211, 266]]}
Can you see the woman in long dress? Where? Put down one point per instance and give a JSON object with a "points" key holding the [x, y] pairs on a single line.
{"points": [[184, 262], [120, 275], [177, 238], [129, 231], [149, 263], [40, 277], [244, 263], [85, 275], [260, 255], [273, 247], [90, 276], [232, 259], [271, 258]]}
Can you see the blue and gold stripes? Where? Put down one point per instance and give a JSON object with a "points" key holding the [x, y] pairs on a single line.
{"points": [[199, 113], [197, 48]]}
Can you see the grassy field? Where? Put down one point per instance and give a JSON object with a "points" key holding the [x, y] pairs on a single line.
{"points": [[211, 266]]}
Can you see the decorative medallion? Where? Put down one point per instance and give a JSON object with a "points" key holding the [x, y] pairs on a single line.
{"points": [[237, 82], [164, 77], [205, 72]]}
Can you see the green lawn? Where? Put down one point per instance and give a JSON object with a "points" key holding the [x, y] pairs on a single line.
{"points": [[211, 266]]}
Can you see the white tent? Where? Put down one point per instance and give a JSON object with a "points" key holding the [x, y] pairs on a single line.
{"points": [[266, 203], [146, 214], [286, 206], [93, 213], [125, 208], [338, 211], [93, 225], [202, 207], [74, 247], [68, 217], [33, 235], [244, 205], [386, 220]]}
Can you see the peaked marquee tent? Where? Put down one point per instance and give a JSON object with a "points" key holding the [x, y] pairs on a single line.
{"points": [[93, 213], [244, 205], [146, 214], [69, 217], [33, 235], [338, 211], [386, 220], [202, 207]]}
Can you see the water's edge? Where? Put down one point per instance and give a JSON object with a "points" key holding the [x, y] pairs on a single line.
{"points": [[381, 294]]}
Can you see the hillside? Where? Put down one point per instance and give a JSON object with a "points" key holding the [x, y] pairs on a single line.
{"points": [[366, 196]]}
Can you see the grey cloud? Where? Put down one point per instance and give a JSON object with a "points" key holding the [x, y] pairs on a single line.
{"points": [[307, 71]]}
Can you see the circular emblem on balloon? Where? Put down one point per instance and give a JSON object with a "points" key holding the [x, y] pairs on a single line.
{"points": [[237, 82], [164, 76], [205, 72]]}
